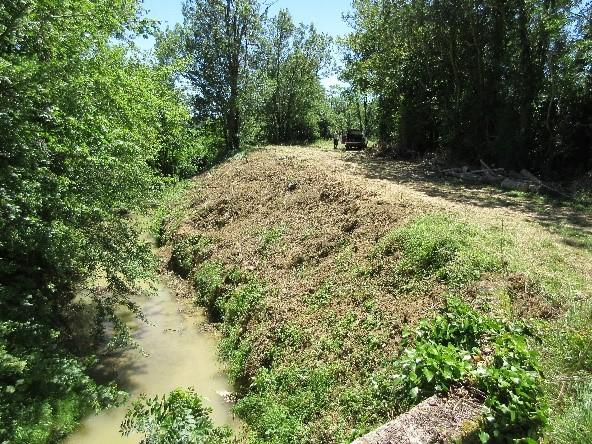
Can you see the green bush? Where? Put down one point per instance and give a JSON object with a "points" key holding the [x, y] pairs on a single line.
{"points": [[169, 212], [48, 421], [282, 401], [185, 151], [463, 346], [187, 252], [43, 390], [214, 283], [179, 417], [240, 304], [437, 246], [243, 303]]}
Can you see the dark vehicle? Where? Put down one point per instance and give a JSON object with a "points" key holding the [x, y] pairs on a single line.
{"points": [[354, 139]]}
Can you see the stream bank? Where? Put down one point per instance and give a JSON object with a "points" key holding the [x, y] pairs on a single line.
{"points": [[179, 353]]}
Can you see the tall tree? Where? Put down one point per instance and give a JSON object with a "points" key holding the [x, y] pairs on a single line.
{"points": [[351, 109], [218, 38], [294, 59], [80, 128], [490, 79]]}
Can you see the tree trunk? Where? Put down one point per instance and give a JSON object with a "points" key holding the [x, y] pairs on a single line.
{"points": [[233, 118], [366, 118], [527, 81]]}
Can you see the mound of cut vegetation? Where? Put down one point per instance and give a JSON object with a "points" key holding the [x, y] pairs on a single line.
{"points": [[344, 302]]}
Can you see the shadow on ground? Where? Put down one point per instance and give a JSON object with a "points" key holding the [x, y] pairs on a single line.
{"points": [[548, 211]]}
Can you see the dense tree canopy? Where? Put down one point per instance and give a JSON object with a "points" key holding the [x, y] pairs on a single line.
{"points": [[258, 77], [352, 108], [509, 82], [293, 59], [85, 132]]}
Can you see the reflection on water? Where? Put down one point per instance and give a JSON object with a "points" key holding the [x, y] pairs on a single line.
{"points": [[179, 353]]}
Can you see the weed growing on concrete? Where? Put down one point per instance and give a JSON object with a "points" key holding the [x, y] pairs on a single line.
{"points": [[462, 346]]}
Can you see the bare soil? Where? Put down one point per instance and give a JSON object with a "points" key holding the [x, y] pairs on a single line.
{"points": [[296, 215]]}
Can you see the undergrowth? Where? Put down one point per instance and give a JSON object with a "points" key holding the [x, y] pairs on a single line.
{"points": [[337, 379], [213, 283], [49, 421], [44, 391], [167, 216], [463, 346], [189, 251], [566, 356], [439, 247], [574, 423]]}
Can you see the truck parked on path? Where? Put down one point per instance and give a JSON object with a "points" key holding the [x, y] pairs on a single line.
{"points": [[354, 139]]}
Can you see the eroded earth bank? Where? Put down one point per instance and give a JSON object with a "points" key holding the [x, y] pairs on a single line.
{"points": [[348, 290]]}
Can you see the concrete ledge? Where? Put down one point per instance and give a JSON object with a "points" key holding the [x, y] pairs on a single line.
{"points": [[454, 418]]}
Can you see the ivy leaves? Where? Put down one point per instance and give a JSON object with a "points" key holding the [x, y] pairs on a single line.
{"points": [[462, 346]]}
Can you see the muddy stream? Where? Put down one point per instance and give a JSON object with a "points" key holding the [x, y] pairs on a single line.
{"points": [[180, 354]]}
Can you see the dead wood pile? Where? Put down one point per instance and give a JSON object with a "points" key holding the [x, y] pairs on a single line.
{"points": [[508, 180]]}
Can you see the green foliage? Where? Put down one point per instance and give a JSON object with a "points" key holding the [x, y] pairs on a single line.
{"points": [[293, 59], [272, 93], [215, 44], [44, 391], [463, 346], [573, 425], [239, 305], [189, 251], [351, 108], [184, 150], [168, 214], [443, 248], [566, 357], [282, 401], [507, 82], [83, 124], [50, 421], [568, 343], [177, 418], [214, 283], [270, 237], [243, 303], [232, 297]]}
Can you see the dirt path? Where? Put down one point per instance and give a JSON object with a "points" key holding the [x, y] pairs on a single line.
{"points": [[411, 182]]}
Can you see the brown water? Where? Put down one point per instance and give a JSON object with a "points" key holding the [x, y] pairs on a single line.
{"points": [[180, 354]]}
